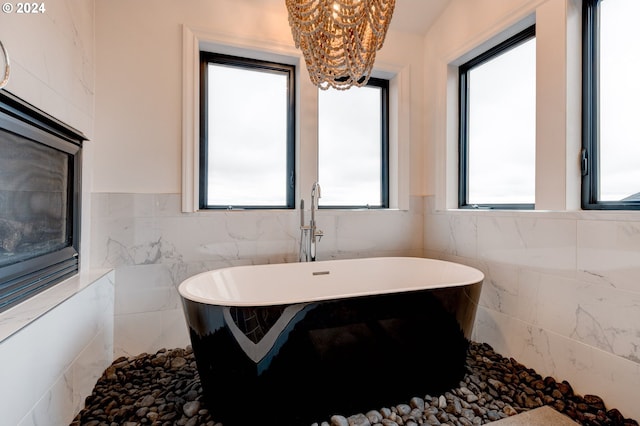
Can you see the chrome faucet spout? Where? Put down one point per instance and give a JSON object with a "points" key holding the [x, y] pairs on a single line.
{"points": [[314, 233], [315, 192], [310, 235]]}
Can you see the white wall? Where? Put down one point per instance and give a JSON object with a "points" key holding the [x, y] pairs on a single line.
{"points": [[561, 293], [52, 61], [138, 227], [52, 68], [54, 346], [53, 363], [139, 83]]}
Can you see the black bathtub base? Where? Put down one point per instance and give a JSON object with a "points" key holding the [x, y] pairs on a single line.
{"points": [[340, 357]]}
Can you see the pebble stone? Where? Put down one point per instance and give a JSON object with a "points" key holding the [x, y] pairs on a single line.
{"points": [[164, 389]]}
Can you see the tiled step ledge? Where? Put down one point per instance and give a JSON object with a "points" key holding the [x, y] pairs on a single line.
{"points": [[542, 416], [19, 316]]}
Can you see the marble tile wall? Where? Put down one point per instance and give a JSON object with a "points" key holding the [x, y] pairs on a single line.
{"points": [[54, 346], [50, 365], [52, 59], [561, 293], [153, 247]]}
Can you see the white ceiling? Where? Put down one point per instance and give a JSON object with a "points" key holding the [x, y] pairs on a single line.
{"points": [[413, 16], [416, 16]]}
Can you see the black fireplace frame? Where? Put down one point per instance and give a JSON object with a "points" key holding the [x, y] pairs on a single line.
{"points": [[21, 280]]}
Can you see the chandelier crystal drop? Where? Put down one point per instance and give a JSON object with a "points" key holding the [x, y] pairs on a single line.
{"points": [[339, 38]]}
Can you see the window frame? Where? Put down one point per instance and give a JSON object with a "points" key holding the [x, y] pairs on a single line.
{"points": [[252, 64], [589, 164], [463, 115], [383, 84]]}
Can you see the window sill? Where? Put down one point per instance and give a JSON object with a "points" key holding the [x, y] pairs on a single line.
{"points": [[328, 210], [624, 215]]}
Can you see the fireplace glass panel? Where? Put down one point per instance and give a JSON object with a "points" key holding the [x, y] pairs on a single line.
{"points": [[33, 199]]}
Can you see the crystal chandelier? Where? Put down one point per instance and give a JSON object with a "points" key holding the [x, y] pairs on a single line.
{"points": [[339, 38]]}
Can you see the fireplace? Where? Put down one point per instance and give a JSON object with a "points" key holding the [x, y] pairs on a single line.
{"points": [[40, 159]]}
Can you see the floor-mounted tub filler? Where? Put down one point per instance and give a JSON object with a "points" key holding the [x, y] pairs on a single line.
{"points": [[315, 339]]}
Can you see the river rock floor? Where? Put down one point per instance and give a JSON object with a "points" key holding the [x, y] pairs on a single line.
{"points": [[164, 389]]}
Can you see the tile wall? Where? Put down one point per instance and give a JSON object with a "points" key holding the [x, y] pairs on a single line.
{"points": [[50, 365], [54, 346], [153, 247], [561, 293]]}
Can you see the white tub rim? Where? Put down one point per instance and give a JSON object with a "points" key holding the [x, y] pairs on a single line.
{"points": [[221, 289]]}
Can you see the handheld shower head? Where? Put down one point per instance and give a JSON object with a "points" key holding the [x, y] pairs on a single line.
{"points": [[316, 190]]}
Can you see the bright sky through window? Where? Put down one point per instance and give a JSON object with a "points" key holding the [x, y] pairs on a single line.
{"points": [[619, 93], [502, 128], [350, 146], [247, 137]]}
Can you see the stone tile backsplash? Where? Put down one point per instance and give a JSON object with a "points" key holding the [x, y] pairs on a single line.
{"points": [[153, 247]]}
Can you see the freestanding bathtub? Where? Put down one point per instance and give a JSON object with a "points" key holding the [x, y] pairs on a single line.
{"points": [[296, 343]]}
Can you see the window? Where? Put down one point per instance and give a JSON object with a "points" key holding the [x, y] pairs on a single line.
{"points": [[353, 146], [246, 133], [497, 129], [611, 89]]}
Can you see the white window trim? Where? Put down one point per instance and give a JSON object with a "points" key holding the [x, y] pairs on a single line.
{"points": [[558, 95], [194, 40]]}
